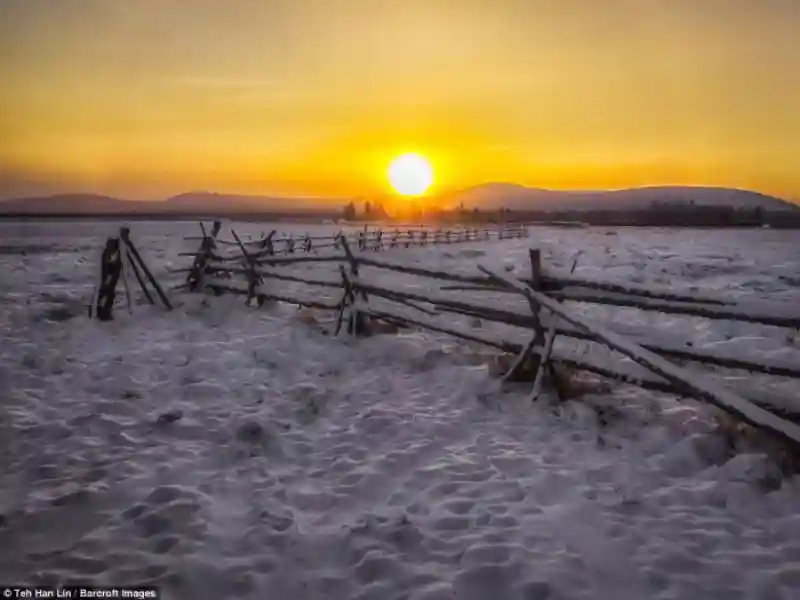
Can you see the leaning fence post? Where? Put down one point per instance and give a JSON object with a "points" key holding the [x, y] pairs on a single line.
{"points": [[252, 276], [537, 339], [545, 364], [124, 234], [124, 276], [535, 256], [267, 245], [207, 246], [139, 278]]}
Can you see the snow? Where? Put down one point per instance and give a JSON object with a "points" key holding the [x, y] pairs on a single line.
{"points": [[221, 451], [718, 395]]}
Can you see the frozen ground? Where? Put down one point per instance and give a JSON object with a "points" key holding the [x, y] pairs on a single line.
{"points": [[226, 452]]}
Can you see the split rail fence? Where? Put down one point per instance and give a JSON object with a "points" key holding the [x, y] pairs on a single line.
{"points": [[650, 365]]}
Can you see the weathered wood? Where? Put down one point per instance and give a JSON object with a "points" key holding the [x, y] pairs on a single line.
{"points": [[447, 305], [139, 278], [357, 322], [225, 286], [125, 236], [420, 271], [292, 260], [371, 238], [534, 256], [768, 366], [110, 270], [544, 364], [689, 383], [207, 247], [523, 359], [451, 331], [347, 301], [507, 316], [556, 282], [535, 259], [252, 278], [124, 277], [389, 296], [267, 274], [776, 315], [573, 360]]}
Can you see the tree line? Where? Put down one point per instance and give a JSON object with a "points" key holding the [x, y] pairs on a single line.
{"points": [[657, 214]]}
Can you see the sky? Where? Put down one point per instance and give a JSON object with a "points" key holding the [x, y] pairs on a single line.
{"points": [[148, 98]]}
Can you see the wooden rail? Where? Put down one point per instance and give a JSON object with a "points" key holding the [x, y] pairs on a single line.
{"points": [[546, 294]]}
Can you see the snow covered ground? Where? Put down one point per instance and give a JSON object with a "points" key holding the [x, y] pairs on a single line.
{"points": [[226, 452]]}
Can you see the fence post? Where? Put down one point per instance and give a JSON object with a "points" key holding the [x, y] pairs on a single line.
{"points": [[110, 271], [517, 370], [266, 243], [357, 321], [135, 257], [252, 276], [535, 257], [559, 385], [207, 246]]}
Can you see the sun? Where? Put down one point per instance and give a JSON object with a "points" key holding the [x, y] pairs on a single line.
{"points": [[410, 175]]}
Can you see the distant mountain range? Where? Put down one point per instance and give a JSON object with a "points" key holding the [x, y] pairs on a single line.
{"points": [[188, 204], [517, 197], [485, 196]]}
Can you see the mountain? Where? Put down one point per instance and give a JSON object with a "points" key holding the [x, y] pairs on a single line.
{"points": [[485, 196], [182, 204], [519, 198], [69, 203]]}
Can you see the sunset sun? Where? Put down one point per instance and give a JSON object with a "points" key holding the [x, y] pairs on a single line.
{"points": [[410, 175]]}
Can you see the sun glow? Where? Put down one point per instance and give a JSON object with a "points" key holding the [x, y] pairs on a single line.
{"points": [[410, 175]]}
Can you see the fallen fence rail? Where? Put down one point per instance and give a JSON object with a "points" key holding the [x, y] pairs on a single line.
{"points": [[690, 383]]}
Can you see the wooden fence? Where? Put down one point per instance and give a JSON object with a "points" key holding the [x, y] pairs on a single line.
{"points": [[119, 256], [376, 239], [360, 301], [652, 365]]}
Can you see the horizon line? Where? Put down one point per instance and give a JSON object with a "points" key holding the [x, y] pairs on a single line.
{"points": [[386, 194]]}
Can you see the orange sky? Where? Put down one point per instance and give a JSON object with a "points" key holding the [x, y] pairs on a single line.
{"points": [[148, 98]]}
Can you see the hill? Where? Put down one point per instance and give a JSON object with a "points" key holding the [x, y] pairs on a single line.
{"points": [[69, 203], [485, 196], [521, 198], [183, 204]]}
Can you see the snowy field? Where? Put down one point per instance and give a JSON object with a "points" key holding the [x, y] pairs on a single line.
{"points": [[224, 452]]}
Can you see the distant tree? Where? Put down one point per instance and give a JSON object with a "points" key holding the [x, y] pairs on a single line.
{"points": [[378, 211], [349, 212], [367, 209]]}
